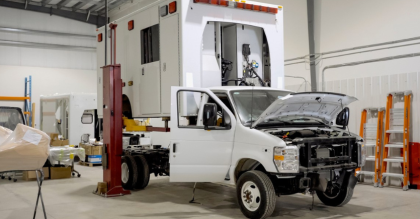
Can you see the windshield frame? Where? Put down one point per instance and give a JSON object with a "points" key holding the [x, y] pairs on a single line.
{"points": [[234, 105]]}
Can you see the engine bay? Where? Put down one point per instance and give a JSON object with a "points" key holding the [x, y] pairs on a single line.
{"points": [[322, 149], [288, 135]]}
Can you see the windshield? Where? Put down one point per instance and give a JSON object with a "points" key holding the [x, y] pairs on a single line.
{"points": [[250, 104], [10, 117]]}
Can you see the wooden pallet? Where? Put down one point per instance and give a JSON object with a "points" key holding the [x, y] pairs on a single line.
{"points": [[89, 164]]}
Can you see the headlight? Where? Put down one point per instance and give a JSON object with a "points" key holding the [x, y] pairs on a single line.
{"points": [[286, 159]]}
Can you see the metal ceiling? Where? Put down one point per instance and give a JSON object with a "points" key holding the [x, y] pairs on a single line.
{"points": [[89, 11]]}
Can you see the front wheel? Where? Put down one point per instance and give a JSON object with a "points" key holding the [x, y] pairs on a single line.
{"points": [[256, 195], [334, 196]]}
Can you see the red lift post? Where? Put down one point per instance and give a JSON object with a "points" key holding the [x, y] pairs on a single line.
{"points": [[112, 123]]}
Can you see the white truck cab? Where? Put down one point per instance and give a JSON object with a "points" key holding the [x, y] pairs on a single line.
{"points": [[267, 142]]}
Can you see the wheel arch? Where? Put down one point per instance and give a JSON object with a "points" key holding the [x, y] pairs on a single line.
{"points": [[126, 107], [247, 164]]}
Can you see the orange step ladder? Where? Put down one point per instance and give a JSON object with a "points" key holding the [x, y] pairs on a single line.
{"points": [[397, 128], [371, 133]]}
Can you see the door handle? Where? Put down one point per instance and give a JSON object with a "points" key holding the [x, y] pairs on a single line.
{"points": [[174, 147], [142, 71]]}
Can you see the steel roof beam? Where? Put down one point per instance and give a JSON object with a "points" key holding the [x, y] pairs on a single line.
{"points": [[101, 5], [112, 6], [63, 3], [93, 19], [45, 2], [80, 5]]}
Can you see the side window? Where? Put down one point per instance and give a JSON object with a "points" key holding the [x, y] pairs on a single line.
{"points": [[150, 44], [87, 118], [190, 110], [225, 99]]}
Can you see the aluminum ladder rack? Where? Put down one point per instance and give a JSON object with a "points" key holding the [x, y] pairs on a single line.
{"points": [[397, 128], [371, 133]]}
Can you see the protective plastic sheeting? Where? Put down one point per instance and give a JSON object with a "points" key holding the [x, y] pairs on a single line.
{"points": [[4, 133], [65, 155], [24, 149]]}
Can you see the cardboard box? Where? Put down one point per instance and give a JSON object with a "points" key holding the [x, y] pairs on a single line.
{"points": [[91, 149], [31, 175], [96, 150], [56, 143], [94, 158], [60, 172], [53, 136], [88, 148], [64, 142], [59, 142]]}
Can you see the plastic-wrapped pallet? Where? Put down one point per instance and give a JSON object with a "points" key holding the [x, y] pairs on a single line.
{"points": [[65, 155], [25, 148], [4, 133]]}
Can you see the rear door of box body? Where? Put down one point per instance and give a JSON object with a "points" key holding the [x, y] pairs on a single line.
{"points": [[169, 51], [149, 91]]}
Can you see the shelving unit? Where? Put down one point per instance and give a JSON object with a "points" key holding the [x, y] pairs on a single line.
{"points": [[27, 98]]}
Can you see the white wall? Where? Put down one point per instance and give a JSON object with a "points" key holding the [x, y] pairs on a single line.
{"points": [[45, 81], [296, 42], [52, 70], [376, 21], [345, 24], [43, 57]]}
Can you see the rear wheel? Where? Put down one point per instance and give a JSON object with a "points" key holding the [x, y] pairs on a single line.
{"points": [[143, 172], [129, 173], [256, 195], [334, 196]]}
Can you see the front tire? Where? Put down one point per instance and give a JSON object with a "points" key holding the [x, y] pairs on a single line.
{"points": [[256, 195], [335, 197]]}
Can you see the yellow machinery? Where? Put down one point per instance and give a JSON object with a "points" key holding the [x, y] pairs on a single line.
{"points": [[132, 126]]}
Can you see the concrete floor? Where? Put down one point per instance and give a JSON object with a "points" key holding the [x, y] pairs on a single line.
{"points": [[73, 198]]}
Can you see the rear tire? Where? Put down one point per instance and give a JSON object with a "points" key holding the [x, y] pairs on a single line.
{"points": [[336, 197], [143, 172], [129, 173], [256, 195]]}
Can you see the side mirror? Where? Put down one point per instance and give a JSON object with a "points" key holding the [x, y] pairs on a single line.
{"points": [[209, 115], [343, 117]]}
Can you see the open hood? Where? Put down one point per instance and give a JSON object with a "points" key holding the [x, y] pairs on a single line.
{"points": [[322, 106]]}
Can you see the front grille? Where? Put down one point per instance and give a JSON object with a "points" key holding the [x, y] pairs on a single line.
{"points": [[323, 153]]}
